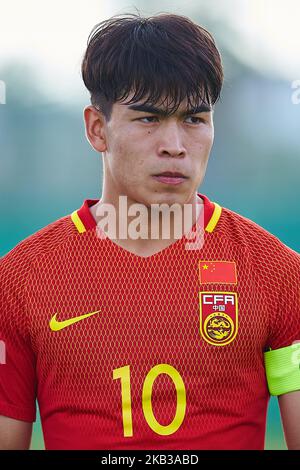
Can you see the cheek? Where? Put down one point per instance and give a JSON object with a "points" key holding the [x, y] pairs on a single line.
{"points": [[202, 150], [207, 136], [204, 143], [128, 163]]}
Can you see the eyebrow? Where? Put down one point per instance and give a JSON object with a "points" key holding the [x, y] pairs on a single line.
{"points": [[203, 108]]}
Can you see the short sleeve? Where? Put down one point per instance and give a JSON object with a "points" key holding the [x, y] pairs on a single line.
{"points": [[282, 358], [285, 323], [17, 359]]}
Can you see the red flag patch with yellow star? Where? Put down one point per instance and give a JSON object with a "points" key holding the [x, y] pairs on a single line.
{"points": [[217, 272]]}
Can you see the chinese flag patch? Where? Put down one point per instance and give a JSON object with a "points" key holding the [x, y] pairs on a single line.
{"points": [[217, 272]]}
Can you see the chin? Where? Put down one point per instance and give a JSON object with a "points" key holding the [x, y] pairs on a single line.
{"points": [[169, 198]]}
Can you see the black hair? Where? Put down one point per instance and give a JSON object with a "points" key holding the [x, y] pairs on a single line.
{"points": [[165, 55]]}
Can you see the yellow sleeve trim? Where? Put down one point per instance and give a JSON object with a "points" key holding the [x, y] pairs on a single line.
{"points": [[214, 218], [283, 369], [77, 222]]}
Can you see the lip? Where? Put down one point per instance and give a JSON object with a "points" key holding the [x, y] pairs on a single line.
{"points": [[170, 177], [171, 174]]}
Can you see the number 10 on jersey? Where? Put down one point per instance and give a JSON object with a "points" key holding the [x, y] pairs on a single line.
{"points": [[123, 374]]}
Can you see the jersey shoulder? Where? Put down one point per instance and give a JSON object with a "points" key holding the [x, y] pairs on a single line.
{"points": [[263, 247], [17, 262], [16, 268]]}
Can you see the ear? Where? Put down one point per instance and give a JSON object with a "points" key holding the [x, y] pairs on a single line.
{"points": [[95, 128]]}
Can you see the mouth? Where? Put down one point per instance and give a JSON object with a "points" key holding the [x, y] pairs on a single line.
{"points": [[170, 177], [171, 174]]}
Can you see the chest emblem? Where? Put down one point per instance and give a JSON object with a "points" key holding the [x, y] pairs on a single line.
{"points": [[218, 317]]}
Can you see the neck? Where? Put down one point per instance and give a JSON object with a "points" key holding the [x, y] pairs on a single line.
{"points": [[141, 228]]}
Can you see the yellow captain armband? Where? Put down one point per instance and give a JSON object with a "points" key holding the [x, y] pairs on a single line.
{"points": [[283, 369]]}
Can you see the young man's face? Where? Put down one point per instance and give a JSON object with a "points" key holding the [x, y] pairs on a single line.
{"points": [[141, 147]]}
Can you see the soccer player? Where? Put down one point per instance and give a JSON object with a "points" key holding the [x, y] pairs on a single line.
{"points": [[150, 342]]}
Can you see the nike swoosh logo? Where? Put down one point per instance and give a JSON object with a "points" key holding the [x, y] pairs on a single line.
{"points": [[56, 325]]}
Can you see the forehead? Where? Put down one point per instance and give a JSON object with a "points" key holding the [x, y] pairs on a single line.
{"points": [[165, 103]]}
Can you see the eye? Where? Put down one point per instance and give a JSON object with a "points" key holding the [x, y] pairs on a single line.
{"points": [[197, 120], [147, 117]]}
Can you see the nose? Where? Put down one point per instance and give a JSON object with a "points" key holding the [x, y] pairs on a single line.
{"points": [[170, 144]]}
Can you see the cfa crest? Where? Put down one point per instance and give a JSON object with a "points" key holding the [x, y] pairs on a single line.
{"points": [[218, 317]]}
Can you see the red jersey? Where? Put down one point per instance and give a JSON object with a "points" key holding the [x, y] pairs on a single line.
{"points": [[128, 352]]}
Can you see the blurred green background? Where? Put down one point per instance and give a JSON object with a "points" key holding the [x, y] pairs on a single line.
{"points": [[47, 167]]}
